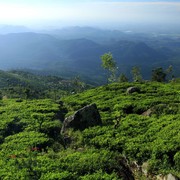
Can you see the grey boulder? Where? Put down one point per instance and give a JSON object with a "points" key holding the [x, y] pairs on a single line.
{"points": [[131, 90], [83, 118]]}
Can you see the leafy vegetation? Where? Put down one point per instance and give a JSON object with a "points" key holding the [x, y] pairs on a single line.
{"points": [[137, 77], [32, 147], [153, 139], [109, 64], [26, 85]]}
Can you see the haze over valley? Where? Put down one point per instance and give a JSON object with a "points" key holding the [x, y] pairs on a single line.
{"points": [[67, 38], [77, 50]]}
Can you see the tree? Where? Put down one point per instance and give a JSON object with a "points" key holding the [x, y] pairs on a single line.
{"points": [[122, 78], [137, 77], [79, 86], [109, 64], [1, 95], [158, 75], [169, 72], [27, 92]]}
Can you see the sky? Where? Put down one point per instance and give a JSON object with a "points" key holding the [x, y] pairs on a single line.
{"points": [[37, 13]]}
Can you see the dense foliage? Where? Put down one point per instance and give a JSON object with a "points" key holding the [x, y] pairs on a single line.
{"points": [[154, 139], [31, 146], [26, 85]]}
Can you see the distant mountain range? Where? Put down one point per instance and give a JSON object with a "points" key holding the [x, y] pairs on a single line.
{"points": [[69, 54], [5, 29]]}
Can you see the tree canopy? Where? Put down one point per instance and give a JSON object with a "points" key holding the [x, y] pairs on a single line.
{"points": [[109, 64]]}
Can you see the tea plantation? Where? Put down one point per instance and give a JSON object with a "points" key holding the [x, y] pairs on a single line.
{"points": [[140, 128]]}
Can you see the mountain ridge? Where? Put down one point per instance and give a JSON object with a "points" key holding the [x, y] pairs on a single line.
{"points": [[81, 55]]}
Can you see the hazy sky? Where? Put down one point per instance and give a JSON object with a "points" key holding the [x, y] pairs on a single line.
{"points": [[88, 12]]}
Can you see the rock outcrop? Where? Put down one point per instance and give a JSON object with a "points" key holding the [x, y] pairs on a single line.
{"points": [[83, 118], [131, 90], [144, 168], [147, 113], [171, 177], [167, 177]]}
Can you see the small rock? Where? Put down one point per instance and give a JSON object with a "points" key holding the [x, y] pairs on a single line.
{"points": [[170, 177], [144, 168], [147, 113], [167, 177], [131, 90], [159, 177]]}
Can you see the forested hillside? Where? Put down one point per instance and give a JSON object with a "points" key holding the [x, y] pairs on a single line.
{"points": [[137, 139], [23, 84], [77, 50]]}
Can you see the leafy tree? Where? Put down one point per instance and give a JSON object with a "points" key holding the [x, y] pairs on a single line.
{"points": [[158, 75], [137, 77], [1, 95], [109, 64], [169, 72], [27, 92], [79, 86], [122, 78]]}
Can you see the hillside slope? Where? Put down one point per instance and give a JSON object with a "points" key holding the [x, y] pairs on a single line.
{"points": [[21, 84], [32, 147], [142, 126]]}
